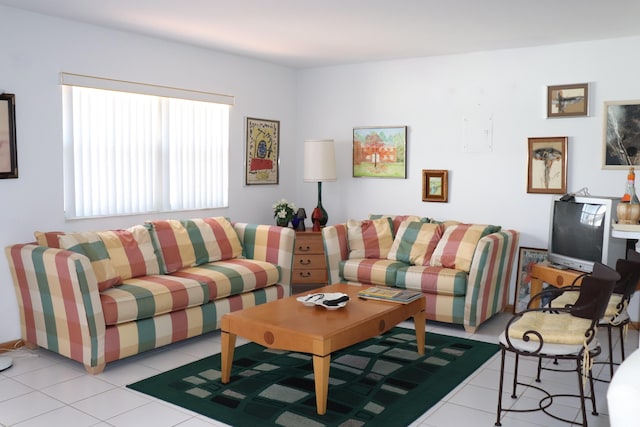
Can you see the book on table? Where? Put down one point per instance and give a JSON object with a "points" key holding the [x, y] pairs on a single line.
{"points": [[386, 293]]}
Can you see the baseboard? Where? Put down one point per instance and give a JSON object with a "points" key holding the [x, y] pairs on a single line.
{"points": [[11, 345]]}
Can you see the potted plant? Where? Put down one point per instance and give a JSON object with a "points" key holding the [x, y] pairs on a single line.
{"points": [[283, 212]]}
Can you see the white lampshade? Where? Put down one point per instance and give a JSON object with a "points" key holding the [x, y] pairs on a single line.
{"points": [[319, 160]]}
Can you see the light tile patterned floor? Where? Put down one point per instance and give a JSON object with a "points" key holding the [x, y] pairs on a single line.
{"points": [[43, 389]]}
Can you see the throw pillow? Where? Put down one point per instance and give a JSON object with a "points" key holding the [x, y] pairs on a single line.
{"points": [[371, 238], [131, 251], [415, 242], [458, 244], [48, 238], [396, 220], [89, 244]]}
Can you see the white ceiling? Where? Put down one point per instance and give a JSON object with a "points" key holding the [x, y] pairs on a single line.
{"points": [[305, 33]]}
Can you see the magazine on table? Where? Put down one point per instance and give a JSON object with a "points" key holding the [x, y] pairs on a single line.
{"points": [[385, 293]]}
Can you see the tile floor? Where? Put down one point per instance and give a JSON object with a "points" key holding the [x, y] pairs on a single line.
{"points": [[43, 389]]}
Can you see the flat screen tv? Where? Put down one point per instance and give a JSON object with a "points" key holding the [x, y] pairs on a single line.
{"points": [[580, 233]]}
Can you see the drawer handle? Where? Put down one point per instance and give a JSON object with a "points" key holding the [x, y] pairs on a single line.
{"points": [[305, 274], [304, 262], [304, 248]]}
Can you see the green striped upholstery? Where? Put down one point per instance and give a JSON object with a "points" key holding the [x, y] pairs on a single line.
{"points": [[131, 251], [415, 242], [371, 238], [452, 295], [61, 308]]}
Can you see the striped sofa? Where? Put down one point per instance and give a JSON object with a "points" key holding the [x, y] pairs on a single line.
{"points": [[97, 297], [463, 269]]}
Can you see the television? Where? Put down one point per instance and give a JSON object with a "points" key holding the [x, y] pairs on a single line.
{"points": [[580, 233]]}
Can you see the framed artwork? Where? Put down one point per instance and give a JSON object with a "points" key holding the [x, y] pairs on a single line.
{"points": [[547, 172], [526, 258], [8, 149], [568, 100], [262, 151], [621, 147], [435, 185], [380, 152]]}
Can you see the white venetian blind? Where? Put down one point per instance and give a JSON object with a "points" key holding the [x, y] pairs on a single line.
{"points": [[132, 152]]}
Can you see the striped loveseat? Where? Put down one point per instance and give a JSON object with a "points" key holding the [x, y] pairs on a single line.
{"points": [[97, 297], [463, 269]]}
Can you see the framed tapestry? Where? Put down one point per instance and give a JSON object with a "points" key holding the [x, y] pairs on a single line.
{"points": [[8, 149], [621, 133], [380, 152], [547, 172], [262, 149], [526, 258]]}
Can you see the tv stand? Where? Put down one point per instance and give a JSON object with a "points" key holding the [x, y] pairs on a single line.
{"points": [[546, 272]]}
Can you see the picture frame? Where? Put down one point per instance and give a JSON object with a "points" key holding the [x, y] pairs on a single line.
{"points": [[8, 148], [262, 151], [435, 185], [568, 100], [526, 258], [380, 152], [547, 165], [620, 134]]}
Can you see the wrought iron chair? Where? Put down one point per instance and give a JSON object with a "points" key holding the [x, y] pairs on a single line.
{"points": [[616, 314], [560, 333]]}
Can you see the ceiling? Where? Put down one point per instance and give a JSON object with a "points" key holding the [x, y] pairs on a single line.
{"points": [[305, 33]]}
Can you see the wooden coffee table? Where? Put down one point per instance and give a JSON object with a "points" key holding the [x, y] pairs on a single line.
{"points": [[287, 324]]}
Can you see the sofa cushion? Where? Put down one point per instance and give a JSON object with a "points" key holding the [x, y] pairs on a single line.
{"points": [[458, 244], [232, 276], [149, 296], [396, 220], [131, 251], [433, 280], [415, 242], [188, 243], [370, 271], [89, 244], [48, 238], [371, 238]]}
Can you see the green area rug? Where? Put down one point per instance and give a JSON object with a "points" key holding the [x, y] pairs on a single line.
{"points": [[379, 382]]}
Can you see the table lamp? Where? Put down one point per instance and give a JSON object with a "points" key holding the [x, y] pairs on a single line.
{"points": [[319, 166]]}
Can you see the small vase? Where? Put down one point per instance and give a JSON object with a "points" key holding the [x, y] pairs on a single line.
{"points": [[282, 222]]}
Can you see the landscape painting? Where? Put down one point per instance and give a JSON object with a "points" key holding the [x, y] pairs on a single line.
{"points": [[380, 152]]}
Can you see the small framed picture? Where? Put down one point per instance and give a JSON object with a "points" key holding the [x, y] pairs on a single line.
{"points": [[8, 149], [262, 151], [621, 134], [380, 152], [527, 257], [568, 100], [547, 165], [435, 185]]}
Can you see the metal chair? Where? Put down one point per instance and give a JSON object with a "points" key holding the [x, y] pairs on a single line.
{"points": [[560, 333]]}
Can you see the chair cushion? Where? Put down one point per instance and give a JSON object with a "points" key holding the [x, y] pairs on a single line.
{"points": [[565, 331], [415, 242], [371, 271], [613, 313], [458, 244], [370, 238], [88, 243], [131, 251]]}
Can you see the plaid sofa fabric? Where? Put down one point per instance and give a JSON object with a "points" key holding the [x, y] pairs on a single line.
{"points": [[128, 339], [131, 251], [371, 238], [371, 271]]}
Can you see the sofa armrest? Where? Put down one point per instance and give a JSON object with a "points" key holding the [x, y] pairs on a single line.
{"points": [[336, 249], [59, 302], [269, 243], [489, 277]]}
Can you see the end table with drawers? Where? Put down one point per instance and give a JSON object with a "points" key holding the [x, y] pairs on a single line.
{"points": [[309, 264]]}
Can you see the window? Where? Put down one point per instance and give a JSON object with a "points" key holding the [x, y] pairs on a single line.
{"points": [[133, 149]]}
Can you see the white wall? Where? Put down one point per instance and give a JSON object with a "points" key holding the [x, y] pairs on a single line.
{"points": [[35, 49], [432, 96]]}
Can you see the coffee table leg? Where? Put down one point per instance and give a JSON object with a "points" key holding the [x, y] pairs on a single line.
{"points": [[321, 366], [228, 343], [419, 320]]}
